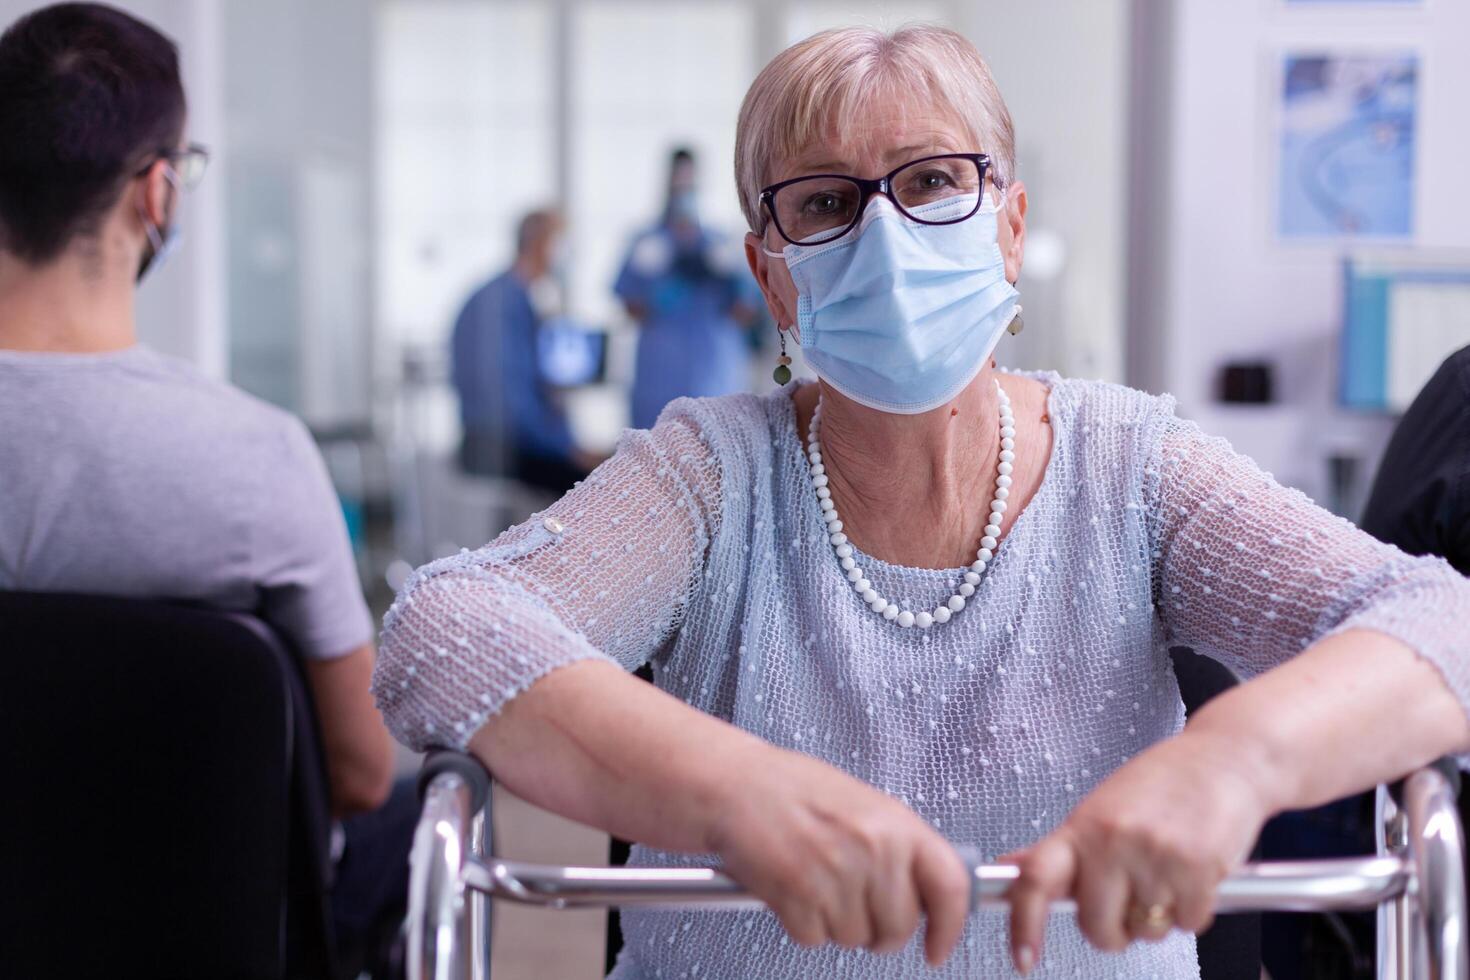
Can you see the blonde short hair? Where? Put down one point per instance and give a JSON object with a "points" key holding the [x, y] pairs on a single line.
{"points": [[833, 78]]}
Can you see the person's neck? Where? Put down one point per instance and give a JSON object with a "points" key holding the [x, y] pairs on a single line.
{"points": [[78, 303], [527, 269], [913, 487]]}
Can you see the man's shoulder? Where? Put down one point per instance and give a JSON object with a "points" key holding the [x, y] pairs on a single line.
{"points": [[178, 385], [494, 292], [1456, 373], [501, 284], [143, 386], [1443, 403], [169, 456], [221, 436]]}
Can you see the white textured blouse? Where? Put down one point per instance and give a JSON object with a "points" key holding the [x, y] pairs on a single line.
{"points": [[700, 547]]}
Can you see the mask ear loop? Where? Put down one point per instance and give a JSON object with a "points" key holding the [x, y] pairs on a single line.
{"points": [[770, 254], [154, 232], [1017, 323]]}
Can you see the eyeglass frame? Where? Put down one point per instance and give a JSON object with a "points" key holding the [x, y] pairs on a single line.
{"points": [[176, 153], [879, 185]]}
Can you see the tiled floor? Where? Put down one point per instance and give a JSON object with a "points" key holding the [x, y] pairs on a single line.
{"points": [[532, 944]]}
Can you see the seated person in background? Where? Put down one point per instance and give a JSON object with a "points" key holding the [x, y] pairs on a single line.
{"points": [[1421, 497], [125, 472], [513, 424]]}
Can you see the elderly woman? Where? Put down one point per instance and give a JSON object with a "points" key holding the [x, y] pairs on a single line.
{"points": [[974, 651]]}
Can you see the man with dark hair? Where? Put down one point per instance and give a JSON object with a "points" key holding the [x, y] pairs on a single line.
{"points": [[125, 472]]}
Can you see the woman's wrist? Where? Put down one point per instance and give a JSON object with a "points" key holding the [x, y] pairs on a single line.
{"points": [[1245, 754], [724, 793]]}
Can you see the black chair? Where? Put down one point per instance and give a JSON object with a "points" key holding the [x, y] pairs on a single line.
{"points": [[165, 811]]}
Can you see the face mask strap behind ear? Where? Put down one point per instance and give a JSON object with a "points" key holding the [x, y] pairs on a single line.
{"points": [[768, 253], [160, 242], [156, 236]]}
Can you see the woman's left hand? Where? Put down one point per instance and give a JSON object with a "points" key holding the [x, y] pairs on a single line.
{"points": [[1145, 851]]}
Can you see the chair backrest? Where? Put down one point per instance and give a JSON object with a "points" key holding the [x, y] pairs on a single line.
{"points": [[158, 760]]}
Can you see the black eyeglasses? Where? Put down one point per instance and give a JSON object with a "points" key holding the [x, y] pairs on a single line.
{"points": [[823, 207], [189, 163]]}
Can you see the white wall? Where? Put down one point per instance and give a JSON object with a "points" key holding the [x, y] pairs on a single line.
{"points": [[299, 98], [1062, 67], [181, 306], [1229, 289], [295, 83]]}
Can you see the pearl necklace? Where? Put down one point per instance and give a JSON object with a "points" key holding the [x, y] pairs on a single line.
{"points": [[864, 588]]}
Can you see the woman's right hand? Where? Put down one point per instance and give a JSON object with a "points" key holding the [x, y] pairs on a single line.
{"points": [[837, 860]]}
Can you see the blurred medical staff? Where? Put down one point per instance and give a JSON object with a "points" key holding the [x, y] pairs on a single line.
{"points": [[687, 287], [514, 423]]}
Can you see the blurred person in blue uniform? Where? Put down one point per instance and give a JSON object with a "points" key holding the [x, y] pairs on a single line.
{"points": [[687, 287], [514, 423]]}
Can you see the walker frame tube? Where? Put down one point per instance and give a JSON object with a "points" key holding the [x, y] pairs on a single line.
{"points": [[442, 940], [1416, 882]]}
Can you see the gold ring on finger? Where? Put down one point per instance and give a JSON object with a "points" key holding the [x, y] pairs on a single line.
{"points": [[1155, 919]]}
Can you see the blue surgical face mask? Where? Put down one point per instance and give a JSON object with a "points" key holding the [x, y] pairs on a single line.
{"points": [[900, 316], [684, 206], [162, 242]]}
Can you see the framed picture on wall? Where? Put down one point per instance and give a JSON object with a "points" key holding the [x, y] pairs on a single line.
{"points": [[1347, 145]]}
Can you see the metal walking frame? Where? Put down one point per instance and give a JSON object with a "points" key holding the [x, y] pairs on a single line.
{"points": [[1416, 881]]}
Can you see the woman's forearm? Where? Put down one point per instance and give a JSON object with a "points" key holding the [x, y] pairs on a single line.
{"points": [[836, 859], [1353, 710], [597, 745]]}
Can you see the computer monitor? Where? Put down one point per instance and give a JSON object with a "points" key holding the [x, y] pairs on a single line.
{"points": [[1403, 314], [569, 354]]}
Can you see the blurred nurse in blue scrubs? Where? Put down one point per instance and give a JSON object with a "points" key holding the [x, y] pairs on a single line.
{"points": [[687, 287]]}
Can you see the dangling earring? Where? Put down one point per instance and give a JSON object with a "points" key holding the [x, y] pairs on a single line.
{"points": [[1017, 324], [782, 374]]}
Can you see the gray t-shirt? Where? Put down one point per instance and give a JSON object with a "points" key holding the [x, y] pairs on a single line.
{"points": [[131, 474]]}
